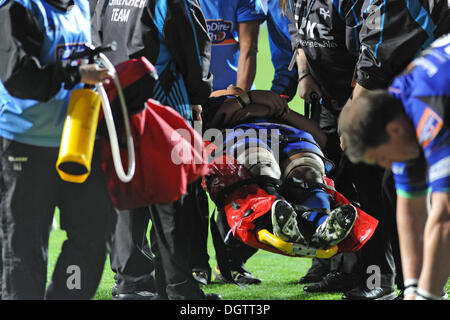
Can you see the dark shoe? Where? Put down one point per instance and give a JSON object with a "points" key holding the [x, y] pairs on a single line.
{"points": [[137, 295], [143, 285], [367, 294], [318, 270], [245, 278], [242, 277], [114, 290], [311, 278], [314, 274], [188, 290], [201, 277], [333, 282], [213, 296]]}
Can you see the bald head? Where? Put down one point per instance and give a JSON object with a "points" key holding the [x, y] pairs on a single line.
{"points": [[362, 122]]}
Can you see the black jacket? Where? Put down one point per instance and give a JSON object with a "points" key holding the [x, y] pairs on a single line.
{"points": [[370, 41], [162, 31]]}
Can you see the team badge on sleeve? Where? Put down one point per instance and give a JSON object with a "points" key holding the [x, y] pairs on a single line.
{"points": [[429, 126]]}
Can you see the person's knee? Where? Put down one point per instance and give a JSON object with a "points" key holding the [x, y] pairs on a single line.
{"points": [[309, 168], [260, 161]]}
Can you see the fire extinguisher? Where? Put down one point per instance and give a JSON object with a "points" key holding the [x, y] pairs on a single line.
{"points": [[80, 127]]}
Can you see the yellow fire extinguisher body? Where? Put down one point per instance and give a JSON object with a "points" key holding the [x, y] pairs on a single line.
{"points": [[78, 138]]}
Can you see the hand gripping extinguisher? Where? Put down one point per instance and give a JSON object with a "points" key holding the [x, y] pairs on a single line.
{"points": [[80, 126]]}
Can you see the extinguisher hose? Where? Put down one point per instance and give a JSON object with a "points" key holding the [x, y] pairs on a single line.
{"points": [[124, 177]]}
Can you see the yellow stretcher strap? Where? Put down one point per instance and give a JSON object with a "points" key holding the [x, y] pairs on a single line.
{"points": [[293, 249]]}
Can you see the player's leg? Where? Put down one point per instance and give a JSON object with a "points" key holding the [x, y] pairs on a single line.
{"points": [[436, 261]]}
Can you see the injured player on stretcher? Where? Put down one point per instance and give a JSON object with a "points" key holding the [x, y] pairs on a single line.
{"points": [[269, 173]]}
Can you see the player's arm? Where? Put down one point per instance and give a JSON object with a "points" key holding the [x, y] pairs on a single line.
{"points": [[284, 79], [436, 245], [248, 46], [307, 85], [411, 218], [411, 188], [300, 122]]}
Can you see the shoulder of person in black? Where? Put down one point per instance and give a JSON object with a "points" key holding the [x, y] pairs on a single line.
{"points": [[63, 5]]}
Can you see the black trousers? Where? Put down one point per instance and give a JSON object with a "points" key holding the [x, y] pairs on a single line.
{"points": [[181, 228], [372, 189], [171, 234], [236, 253], [32, 191], [131, 256], [199, 258]]}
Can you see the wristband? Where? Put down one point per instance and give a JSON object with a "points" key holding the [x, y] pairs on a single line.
{"points": [[245, 99], [241, 103], [303, 77], [410, 291], [410, 287], [425, 295], [249, 93]]}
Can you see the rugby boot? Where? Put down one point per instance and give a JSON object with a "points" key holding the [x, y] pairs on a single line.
{"points": [[336, 227], [284, 222]]}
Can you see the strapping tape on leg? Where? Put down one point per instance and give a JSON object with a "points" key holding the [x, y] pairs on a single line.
{"points": [[308, 161], [260, 161]]}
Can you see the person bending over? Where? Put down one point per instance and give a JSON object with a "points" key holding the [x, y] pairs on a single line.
{"points": [[406, 129]]}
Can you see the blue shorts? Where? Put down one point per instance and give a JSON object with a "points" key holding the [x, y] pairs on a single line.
{"points": [[278, 138]]}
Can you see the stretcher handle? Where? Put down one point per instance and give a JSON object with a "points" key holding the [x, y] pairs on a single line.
{"points": [[294, 249]]}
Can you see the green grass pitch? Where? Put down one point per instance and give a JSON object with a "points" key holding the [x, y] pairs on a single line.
{"points": [[280, 274]]}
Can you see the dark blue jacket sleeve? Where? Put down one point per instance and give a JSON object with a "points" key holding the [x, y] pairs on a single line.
{"points": [[393, 32], [21, 72], [187, 38]]}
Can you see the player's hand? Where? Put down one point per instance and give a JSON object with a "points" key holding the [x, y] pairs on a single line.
{"points": [[251, 111], [276, 104], [197, 112], [308, 86], [93, 74]]}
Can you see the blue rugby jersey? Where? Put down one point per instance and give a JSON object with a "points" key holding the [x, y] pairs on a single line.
{"points": [[424, 91], [222, 18], [288, 140], [284, 80], [37, 118]]}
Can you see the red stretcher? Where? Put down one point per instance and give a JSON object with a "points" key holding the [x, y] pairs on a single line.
{"points": [[245, 204]]}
